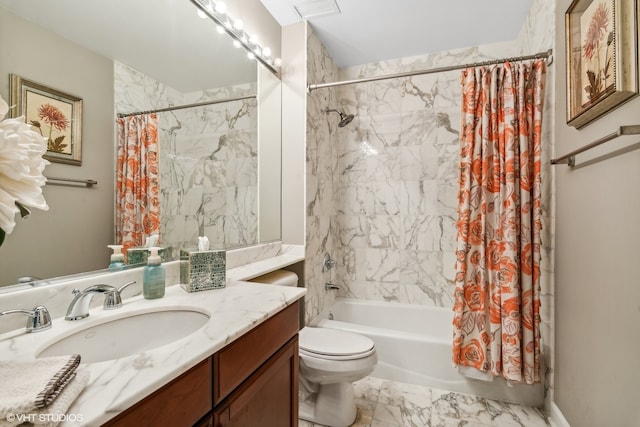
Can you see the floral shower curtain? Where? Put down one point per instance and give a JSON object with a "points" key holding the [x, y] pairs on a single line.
{"points": [[497, 294], [137, 187]]}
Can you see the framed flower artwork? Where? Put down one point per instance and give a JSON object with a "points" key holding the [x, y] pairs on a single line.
{"points": [[602, 57], [54, 114]]}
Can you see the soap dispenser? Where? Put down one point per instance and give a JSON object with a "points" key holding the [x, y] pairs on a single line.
{"points": [[153, 277], [117, 258]]}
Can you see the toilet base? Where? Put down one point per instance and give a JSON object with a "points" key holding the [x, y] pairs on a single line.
{"points": [[333, 405]]}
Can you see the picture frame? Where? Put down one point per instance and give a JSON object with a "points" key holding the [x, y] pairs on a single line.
{"points": [[54, 114], [602, 57]]}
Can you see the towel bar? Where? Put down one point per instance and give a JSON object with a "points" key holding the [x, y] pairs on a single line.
{"points": [[570, 158], [86, 182]]}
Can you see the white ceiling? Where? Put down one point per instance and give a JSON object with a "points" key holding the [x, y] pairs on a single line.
{"points": [[375, 30]]}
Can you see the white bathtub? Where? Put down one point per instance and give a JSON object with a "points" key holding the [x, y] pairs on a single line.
{"points": [[414, 346]]}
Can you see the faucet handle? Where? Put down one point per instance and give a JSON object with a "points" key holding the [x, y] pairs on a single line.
{"points": [[327, 263], [114, 299], [39, 318], [123, 287]]}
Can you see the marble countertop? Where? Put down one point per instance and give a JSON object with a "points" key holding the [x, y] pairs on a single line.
{"points": [[116, 385]]}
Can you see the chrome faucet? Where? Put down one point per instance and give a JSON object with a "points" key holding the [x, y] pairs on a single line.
{"points": [[38, 320], [79, 307], [327, 263]]}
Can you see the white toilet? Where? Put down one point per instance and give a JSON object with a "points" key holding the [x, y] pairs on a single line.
{"points": [[330, 361]]}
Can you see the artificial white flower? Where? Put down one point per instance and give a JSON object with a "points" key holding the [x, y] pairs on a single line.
{"points": [[21, 166]]}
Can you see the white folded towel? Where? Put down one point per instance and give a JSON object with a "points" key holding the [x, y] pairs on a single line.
{"points": [[39, 385], [56, 412]]}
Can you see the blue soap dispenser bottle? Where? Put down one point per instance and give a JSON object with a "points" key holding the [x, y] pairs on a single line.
{"points": [[117, 258], [153, 276]]}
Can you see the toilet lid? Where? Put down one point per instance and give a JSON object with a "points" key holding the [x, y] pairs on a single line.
{"points": [[333, 343]]}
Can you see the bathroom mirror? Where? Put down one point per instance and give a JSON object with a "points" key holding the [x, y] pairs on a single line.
{"points": [[221, 175]]}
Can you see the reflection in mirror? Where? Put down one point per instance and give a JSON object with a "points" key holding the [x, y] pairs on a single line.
{"points": [[208, 163], [219, 164]]}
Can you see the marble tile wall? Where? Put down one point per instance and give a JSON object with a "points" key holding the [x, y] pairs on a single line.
{"points": [[208, 160], [396, 190], [322, 147]]}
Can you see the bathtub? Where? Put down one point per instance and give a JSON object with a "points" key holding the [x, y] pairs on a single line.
{"points": [[414, 346]]}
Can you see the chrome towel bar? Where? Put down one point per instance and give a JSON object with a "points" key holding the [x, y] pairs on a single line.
{"points": [[570, 158], [66, 181]]}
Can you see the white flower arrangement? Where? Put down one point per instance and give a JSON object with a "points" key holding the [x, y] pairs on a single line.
{"points": [[21, 167]]}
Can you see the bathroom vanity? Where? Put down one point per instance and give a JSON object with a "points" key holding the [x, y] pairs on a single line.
{"points": [[240, 368], [251, 382]]}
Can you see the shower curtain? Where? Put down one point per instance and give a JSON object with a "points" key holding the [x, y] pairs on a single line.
{"points": [[137, 186], [497, 283]]}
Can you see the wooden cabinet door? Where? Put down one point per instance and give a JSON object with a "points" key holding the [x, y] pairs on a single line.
{"points": [[269, 398]]}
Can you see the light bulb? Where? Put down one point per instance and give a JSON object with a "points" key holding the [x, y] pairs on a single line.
{"points": [[221, 8], [277, 62], [253, 39], [220, 29], [201, 14], [266, 52], [251, 55], [237, 44], [238, 24]]}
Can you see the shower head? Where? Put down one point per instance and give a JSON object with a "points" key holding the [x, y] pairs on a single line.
{"points": [[345, 119]]}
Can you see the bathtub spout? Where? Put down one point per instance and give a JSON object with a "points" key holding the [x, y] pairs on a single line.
{"points": [[330, 286]]}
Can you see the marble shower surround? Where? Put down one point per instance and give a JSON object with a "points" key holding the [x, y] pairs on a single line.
{"points": [[396, 193], [208, 163], [321, 149], [382, 191]]}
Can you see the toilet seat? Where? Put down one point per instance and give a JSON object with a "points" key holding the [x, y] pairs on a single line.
{"points": [[331, 344]]}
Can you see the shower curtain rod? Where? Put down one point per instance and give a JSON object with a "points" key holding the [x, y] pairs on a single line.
{"points": [[181, 107], [548, 55]]}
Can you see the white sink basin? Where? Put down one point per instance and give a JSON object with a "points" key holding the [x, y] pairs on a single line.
{"points": [[128, 335]]}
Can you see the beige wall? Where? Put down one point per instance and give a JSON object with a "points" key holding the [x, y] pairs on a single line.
{"points": [[72, 236], [294, 117], [597, 305]]}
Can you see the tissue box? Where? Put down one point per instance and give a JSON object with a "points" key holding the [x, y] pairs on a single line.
{"points": [[140, 255], [202, 270]]}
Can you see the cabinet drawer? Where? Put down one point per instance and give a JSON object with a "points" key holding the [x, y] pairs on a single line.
{"points": [[182, 402], [237, 361]]}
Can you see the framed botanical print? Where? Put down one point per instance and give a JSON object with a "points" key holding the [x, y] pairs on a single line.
{"points": [[602, 57], [54, 114]]}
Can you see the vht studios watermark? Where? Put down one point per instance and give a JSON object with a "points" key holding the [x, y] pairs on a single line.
{"points": [[44, 418]]}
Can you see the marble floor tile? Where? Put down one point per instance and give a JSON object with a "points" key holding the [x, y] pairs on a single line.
{"points": [[383, 403]]}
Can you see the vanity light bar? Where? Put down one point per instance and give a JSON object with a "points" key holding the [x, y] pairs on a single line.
{"points": [[217, 12]]}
